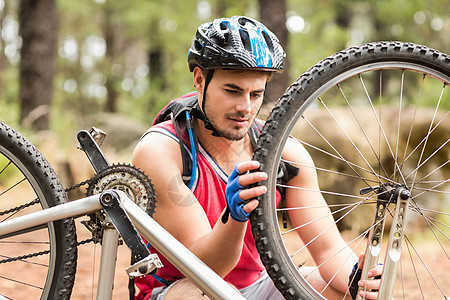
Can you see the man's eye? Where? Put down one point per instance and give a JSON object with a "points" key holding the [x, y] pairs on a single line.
{"points": [[231, 91], [256, 95]]}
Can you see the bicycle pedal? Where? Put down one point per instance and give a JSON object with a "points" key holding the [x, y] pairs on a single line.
{"points": [[98, 135], [148, 265]]}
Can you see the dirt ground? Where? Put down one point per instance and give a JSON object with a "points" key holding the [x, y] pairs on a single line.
{"points": [[89, 259], [87, 271], [85, 284]]}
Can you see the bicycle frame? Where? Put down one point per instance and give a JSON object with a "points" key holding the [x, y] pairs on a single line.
{"points": [[191, 266]]}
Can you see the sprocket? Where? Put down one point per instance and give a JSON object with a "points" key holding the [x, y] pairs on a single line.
{"points": [[128, 179]]}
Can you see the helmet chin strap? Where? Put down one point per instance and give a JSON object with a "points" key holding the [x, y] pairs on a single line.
{"points": [[208, 78], [206, 121]]}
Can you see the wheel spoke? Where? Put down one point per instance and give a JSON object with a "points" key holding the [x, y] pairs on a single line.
{"points": [[408, 140], [22, 283], [380, 126], [351, 141], [366, 137], [408, 242], [425, 138], [352, 165], [419, 162], [353, 176], [32, 260], [374, 120], [431, 173]]}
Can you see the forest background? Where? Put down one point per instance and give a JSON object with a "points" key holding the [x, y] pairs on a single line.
{"points": [[66, 65]]}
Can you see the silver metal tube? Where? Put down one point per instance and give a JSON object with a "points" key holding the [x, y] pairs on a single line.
{"points": [[373, 248], [70, 209], [183, 259], [394, 250], [110, 242]]}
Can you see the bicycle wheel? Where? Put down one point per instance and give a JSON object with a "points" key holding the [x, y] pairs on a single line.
{"points": [[40, 262], [371, 116]]}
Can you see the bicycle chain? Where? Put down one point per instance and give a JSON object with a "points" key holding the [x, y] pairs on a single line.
{"points": [[36, 254], [18, 208], [89, 181], [36, 201], [92, 184]]}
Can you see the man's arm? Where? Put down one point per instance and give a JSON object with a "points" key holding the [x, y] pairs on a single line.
{"points": [[179, 212], [321, 236]]}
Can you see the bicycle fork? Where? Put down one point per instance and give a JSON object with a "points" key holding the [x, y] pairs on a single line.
{"points": [[387, 194]]}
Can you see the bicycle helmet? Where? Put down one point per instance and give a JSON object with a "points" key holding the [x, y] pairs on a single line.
{"points": [[237, 43]]}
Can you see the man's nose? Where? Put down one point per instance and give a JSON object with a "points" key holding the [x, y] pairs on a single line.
{"points": [[244, 104]]}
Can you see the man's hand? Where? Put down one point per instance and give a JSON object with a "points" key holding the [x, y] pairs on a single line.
{"points": [[369, 287], [236, 195]]}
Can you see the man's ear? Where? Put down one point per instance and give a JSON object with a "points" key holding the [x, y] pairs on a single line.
{"points": [[199, 79]]}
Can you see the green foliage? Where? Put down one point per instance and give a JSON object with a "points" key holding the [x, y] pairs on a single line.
{"points": [[9, 89], [334, 25], [142, 27]]}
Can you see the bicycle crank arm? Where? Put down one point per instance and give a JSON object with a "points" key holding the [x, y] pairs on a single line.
{"points": [[92, 150], [146, 263]]}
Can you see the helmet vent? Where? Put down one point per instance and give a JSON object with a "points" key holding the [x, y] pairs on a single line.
{"points": [[197, 46], [245, 40], [268, 41], [224, 25]]}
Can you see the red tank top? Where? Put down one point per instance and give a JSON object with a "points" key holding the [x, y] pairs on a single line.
{"points": [[209, 187]]}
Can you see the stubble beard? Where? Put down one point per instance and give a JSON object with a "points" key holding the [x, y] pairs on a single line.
{"points": [[235, 133]]}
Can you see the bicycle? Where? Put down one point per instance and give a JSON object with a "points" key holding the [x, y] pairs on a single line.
{"points": [[413, 164]]}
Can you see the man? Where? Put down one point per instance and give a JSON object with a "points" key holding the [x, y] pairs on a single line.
{"points": [[231, 60]]}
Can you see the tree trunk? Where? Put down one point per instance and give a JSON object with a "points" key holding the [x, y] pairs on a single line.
{"points": [[273, 15], [38, 29], [112, 33], [3, 59], [156, 64]]}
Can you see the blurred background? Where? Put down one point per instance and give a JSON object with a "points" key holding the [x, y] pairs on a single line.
{"points": [[66, 65]]}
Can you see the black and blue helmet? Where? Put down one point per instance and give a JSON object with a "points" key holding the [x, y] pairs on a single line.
{"points": [[236, 43]]}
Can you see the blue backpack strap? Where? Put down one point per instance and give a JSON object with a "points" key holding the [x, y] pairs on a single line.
{"points": [[194, 149], [182, 111]]}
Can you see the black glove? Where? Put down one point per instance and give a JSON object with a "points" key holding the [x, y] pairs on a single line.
{"points": [[354, 278]]}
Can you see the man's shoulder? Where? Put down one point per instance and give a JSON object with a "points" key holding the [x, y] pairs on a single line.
{"points": [[166, 128], [159, 147], [160, 136]]}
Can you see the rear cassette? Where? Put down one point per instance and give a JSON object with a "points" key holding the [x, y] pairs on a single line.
{"points": [[131, 181]]}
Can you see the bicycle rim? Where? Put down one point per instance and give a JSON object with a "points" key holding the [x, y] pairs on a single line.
{"points": [[369, 116], [27, 184]]}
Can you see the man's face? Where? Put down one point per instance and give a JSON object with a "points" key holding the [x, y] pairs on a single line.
{"points": [[233, 99]]}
